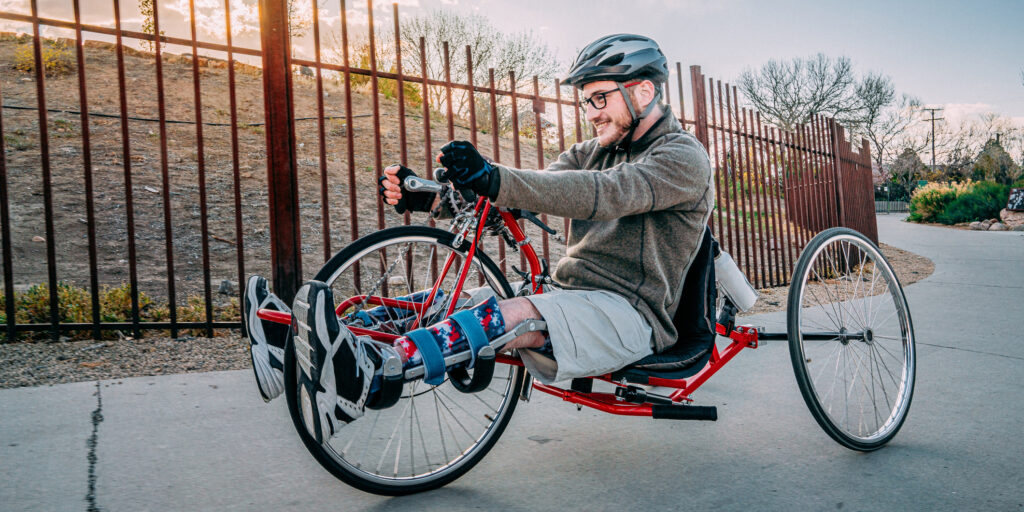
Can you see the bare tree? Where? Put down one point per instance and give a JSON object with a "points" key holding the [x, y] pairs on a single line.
{"points": [[788, 93], [884, 121], [522, 53]]}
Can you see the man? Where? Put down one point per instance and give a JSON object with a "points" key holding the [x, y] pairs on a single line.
{"points": [[638, 195]]}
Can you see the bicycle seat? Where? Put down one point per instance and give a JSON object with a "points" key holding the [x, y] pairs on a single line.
{"points": [[694, 321]]}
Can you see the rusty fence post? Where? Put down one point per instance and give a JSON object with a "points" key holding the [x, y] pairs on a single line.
{"points": [[700, 115], [282, 180]]}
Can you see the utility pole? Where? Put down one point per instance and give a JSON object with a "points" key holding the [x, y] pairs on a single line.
{"points": [[933, 111]]}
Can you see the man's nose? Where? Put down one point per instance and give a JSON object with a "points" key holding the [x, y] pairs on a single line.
{"points": [[592, 114]]}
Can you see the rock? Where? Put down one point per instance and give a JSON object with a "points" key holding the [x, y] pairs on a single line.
{"points": [[975, 225], [38, 238], [226, 288], [1011, 219], [998, 226], [985, 224], [1019, 228]]}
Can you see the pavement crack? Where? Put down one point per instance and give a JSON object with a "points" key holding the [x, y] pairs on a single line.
{"points": [[973, 351], [91, 443]]}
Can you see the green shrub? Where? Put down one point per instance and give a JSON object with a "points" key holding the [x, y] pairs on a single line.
{"points": [[929, 201], [982, 201]]}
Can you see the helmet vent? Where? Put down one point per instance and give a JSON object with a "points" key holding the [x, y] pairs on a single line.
{"points": [[612, 60]]}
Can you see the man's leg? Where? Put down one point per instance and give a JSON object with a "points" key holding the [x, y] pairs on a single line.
{"points": [[517, 310]]}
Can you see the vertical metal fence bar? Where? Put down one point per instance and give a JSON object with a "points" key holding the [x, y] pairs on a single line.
{"points": [[237, 182], [353, 207], [561, 139], [763, 216], [785, 234], [44, 154], [774, 253], [728, 154], [824, 171], [804, 197], [821, 182], [538, 108], [282, 180], [714, 150], [127, 164], [794, 204], [682, 102], [737, 188], [172, 301], [700, 116], [201, 160], [378, 165], [749, 235], [471, 96], [402, 135], [762, 210], [5, 226], [496, 144], [449, 113], [90, 206], [576, 113], [325, 209], [837, 174]]}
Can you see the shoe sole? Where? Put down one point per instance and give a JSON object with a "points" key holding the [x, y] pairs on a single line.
{"points": [[269, 380], [312, 353]]}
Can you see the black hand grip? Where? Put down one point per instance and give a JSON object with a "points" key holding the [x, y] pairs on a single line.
{"points": [[684, 412]]}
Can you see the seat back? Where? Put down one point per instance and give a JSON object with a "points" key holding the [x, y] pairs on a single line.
{"points": [[694, 321], [695, 317]]}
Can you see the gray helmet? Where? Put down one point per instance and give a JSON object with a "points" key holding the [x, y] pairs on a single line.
{"points": [[619, 58]]}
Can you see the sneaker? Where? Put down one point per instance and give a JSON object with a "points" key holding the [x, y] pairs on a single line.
{"points": [[267, 339], [337, 368]]}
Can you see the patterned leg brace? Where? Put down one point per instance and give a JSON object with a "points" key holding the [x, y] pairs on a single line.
{"points": [[465, 330]]}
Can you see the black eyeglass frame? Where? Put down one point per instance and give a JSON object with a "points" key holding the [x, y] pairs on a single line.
{"points": [[600, 97]]}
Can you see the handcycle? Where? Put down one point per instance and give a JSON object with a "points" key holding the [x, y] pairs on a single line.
{"points": [[848, 326]]}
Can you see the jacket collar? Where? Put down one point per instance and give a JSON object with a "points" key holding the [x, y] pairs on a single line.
{"points": [[666, 123]]}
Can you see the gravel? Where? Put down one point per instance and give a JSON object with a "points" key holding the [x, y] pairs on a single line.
{"points": [[48, 363]]}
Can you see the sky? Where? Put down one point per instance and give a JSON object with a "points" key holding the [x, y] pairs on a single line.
{"points": [[964, 56]]}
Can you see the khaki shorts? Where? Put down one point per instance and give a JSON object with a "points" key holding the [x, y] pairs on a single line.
{"points": [[592, 332]]}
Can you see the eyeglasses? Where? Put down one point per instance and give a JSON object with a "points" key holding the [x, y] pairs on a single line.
{"points": [[598, 100]]}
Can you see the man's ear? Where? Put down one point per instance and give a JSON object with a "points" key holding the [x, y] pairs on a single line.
{"points": [[645, 93]]}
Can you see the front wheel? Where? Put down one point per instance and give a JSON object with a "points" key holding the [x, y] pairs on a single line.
{"points": [[434, 434], [851, 339]]}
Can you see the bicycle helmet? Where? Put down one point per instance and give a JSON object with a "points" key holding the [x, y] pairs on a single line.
{"points": [[619, 58], [622, 58]]}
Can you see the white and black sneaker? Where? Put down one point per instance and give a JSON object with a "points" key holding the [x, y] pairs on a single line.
{"points": [[267, 339], [336, 367]]}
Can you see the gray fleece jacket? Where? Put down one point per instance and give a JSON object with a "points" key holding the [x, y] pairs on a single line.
{"points": [[636, 217]]}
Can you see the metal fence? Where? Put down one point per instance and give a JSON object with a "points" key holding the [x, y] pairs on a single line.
{"points": [[321, 146]]}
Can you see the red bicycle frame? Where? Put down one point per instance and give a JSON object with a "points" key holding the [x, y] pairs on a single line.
{"points": [[741, 337]]}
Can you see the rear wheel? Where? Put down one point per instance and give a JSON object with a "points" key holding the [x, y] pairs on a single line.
{"points": [[434, 434], [851, 339]]}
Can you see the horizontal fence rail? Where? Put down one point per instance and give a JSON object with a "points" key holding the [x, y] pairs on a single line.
{"points": [[159, 162]]}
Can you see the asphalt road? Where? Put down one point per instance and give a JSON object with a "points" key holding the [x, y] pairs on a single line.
{"points": [[207, 442]]}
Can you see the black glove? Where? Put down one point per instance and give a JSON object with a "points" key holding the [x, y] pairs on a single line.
{"points": [[410, 201], [466, 168]]}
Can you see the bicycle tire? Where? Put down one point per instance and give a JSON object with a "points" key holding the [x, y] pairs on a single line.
{"points": [[364, 478], [825, 300]]}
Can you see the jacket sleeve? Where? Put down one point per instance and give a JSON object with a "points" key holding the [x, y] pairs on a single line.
{"points": [[673, 175]]}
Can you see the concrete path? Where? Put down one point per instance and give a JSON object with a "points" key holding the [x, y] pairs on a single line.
{"points": [[207, 442]]}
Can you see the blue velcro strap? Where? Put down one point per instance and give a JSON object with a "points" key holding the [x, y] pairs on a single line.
{"points": [[474, 332], [433, 362]]}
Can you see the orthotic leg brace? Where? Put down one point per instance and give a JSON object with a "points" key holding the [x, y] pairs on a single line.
{"points": [[468, 339]]}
